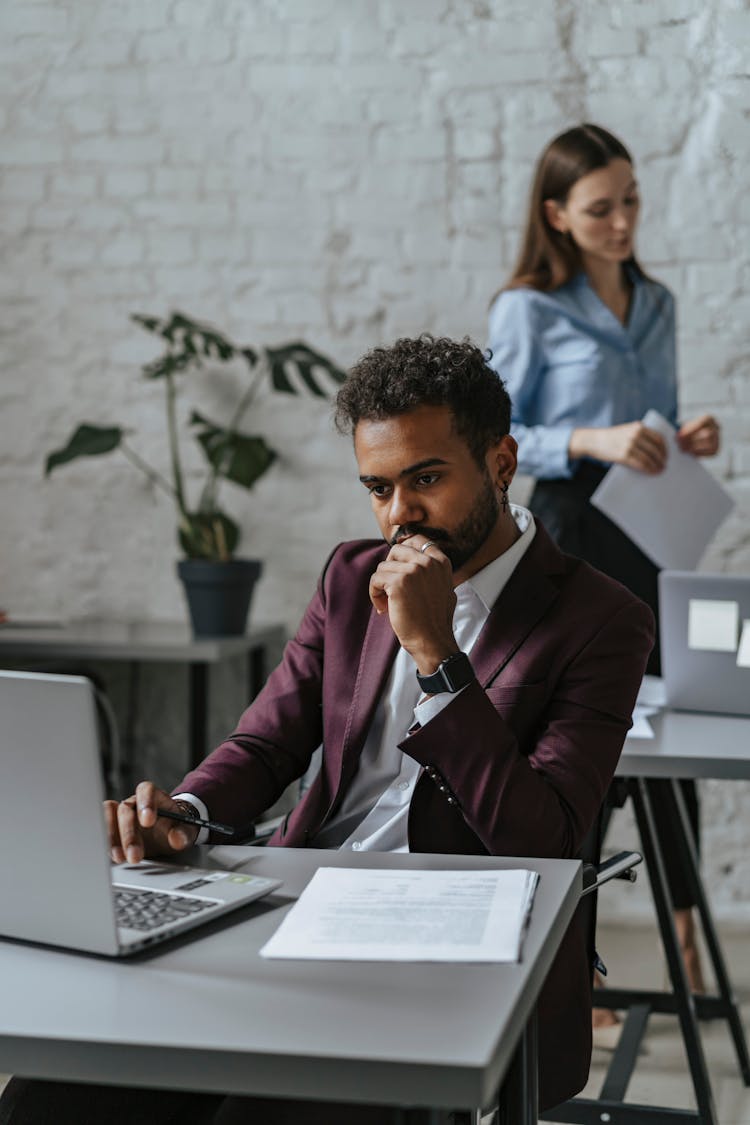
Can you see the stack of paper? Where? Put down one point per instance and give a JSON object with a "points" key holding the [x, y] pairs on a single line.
{"points": [[352, 914], [652, 697]]}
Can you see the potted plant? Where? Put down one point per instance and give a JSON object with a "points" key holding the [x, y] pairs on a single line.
{"points": [[218, 585]]}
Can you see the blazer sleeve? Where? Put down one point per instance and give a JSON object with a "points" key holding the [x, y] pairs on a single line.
{"points": [[529, 765]]}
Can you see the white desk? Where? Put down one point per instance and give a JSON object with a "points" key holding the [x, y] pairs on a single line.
{"points": [[210, 1014], [690, 744]]}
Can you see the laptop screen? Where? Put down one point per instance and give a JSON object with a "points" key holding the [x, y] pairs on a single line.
{"points": [[705, 641]]}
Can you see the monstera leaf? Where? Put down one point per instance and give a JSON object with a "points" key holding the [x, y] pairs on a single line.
{"points": [[241, 458], [188, 339], [302, 359], [87, 441]]}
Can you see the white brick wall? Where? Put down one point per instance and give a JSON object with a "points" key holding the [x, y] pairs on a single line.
{"points": [[344, 171]]}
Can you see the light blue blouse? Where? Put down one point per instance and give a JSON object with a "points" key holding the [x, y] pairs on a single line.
{"points": [[567, 361]]}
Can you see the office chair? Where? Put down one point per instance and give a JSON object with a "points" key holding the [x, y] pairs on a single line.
{"points": [[595, 874]]}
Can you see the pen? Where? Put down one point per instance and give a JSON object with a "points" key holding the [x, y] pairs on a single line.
{"points": [[224, 829]]}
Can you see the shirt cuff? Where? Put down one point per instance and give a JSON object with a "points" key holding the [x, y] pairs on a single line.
{"points": [[190, 799], [556, 453], [430, 706]]}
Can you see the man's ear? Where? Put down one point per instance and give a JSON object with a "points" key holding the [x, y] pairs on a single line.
{"points": [[554, 213], [503, 459]]}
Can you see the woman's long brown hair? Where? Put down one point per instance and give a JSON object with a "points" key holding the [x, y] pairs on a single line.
{"points": [[549, 258]]}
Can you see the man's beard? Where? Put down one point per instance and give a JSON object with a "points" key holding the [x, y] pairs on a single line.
{"points": [[464, 541]]}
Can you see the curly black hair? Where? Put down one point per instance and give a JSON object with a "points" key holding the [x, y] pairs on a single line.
{"points": [[428, 372]]}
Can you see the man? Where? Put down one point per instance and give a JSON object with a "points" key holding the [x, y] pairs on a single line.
{"points": [[471, 686]]}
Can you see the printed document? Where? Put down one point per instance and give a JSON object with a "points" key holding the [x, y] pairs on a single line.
{"points": [[652, 697], [673, 515], [353, 914]]}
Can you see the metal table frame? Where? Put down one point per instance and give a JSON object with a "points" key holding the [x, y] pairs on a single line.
{"points": [[651, 773]]}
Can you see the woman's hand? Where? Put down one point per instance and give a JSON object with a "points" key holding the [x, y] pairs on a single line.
{"points": [[699, 436], [632, 444]]}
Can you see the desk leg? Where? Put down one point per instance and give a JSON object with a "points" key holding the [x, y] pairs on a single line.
{"points": [[519, 1096], [730, 1009], [641, 793], [198, 733]]}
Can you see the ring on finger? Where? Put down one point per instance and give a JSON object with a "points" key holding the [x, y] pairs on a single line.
{"points": [[424, 546]]}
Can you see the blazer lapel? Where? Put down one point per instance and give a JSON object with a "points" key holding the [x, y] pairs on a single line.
{"points": [[376, 660], [522, 604]]}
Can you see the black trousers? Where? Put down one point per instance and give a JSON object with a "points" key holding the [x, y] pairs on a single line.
{"points": [[581, 529], [34, 1102]]}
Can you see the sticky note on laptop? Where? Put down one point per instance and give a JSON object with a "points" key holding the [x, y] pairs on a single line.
{"points": [[713, 624]]}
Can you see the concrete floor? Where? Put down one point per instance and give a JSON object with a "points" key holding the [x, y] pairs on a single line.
{"points": [[661, 1076]]}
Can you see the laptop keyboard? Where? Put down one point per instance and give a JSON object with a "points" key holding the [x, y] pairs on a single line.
{"points": [[147, 910]]}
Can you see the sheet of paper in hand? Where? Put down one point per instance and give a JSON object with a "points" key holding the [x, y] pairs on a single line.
{"points": [[671, 516]]}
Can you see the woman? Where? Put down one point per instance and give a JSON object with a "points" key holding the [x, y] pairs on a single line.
{"points": [[585, 342]]}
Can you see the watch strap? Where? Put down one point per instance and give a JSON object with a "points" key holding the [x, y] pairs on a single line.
{"points": [[187, 808], [451, 675]]}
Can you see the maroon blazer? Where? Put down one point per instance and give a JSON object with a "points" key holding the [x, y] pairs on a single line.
{"points": [[517, 764]]}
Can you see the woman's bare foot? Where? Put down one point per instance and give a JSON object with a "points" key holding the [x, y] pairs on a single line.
{"points": [[603, 1017], [684, 924]]}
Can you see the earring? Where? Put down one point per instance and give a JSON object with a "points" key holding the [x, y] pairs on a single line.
{"points": [[504, 498]]}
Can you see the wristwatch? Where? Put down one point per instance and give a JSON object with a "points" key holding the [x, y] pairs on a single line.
{"points": [[453, 674], [187, 808]]}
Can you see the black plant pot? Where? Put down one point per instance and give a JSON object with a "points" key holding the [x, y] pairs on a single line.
{"points": [[218, 594]]}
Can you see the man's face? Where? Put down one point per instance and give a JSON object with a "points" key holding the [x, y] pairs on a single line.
{"points": [[422, 478]]}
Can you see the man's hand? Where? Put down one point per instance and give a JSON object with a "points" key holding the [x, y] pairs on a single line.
{"points": [[135, 830], [415, 588], [632, 444], [699, 436]]}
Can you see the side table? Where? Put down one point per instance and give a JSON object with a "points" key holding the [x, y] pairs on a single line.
{"points": [[143, 642]]}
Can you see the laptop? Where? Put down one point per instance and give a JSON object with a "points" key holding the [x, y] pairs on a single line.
{"points": [[57, 883], [705, 641]]}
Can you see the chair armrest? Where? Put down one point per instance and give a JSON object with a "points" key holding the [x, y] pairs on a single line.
{"points": [[620, 866], [261, 832]]}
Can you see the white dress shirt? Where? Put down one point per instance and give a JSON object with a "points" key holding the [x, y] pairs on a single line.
{"points": [[373, 814]]}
